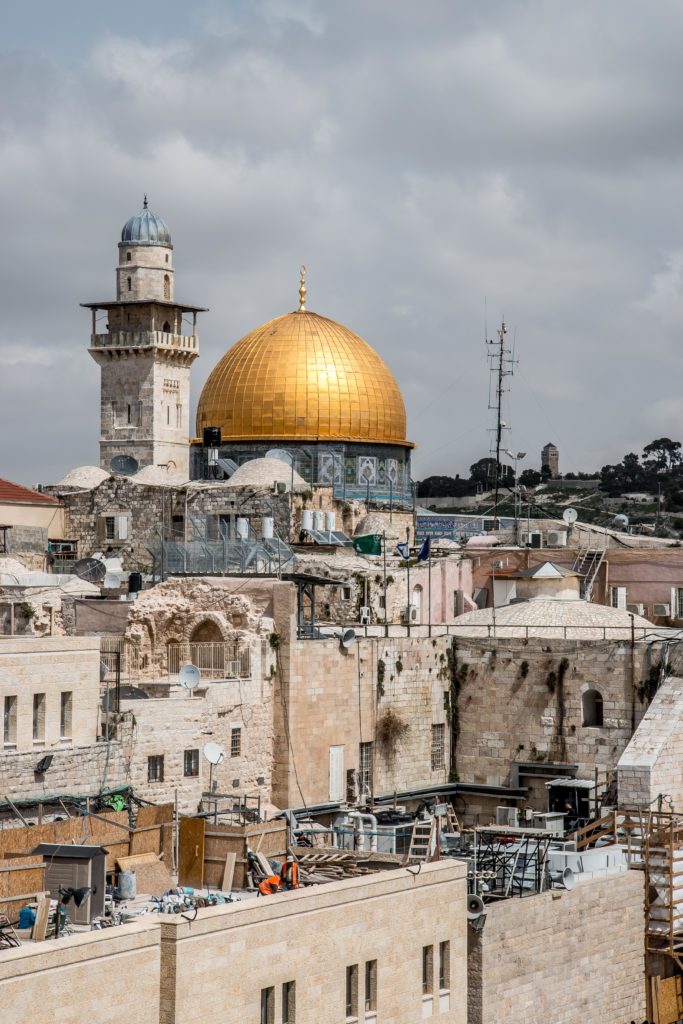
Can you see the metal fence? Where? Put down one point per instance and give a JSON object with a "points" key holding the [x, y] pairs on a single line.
{"points": [[222, 660], [119, 658]]}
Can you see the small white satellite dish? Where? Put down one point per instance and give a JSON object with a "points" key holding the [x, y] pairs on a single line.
{"points": [[189, 677], [570, 515], [214, 753]]}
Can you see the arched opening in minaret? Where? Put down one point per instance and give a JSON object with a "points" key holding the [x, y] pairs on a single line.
{"points": [[130, 283], [166, 327], [167, 286], [128, 257]]}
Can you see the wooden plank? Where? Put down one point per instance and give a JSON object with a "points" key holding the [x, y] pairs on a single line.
{"points": [[40, 923], [137, 859], [228, 872]]}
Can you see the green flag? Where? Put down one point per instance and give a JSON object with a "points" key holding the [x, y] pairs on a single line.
{"points": [[371, 544]]}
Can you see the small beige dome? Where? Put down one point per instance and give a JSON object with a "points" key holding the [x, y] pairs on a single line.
{"points": [[85, 477], [552, 618], [265, 473]]}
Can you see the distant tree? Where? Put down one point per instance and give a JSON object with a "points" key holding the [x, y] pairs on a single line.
{"points": [[443, 487], [530, 478], [664, 453], [484, 472]]}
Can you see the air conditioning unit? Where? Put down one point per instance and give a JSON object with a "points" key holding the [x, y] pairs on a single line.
{"points": [[636, 609], [557, 538], [661, 610], [280, 487], [498, 565], [507, 816], [533, 540], [409, 614]]}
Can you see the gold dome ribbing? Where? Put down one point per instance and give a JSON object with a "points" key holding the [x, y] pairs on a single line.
{"points": [[302, 377]]}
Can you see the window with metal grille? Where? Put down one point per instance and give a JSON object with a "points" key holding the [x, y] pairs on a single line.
{"points": [[191, 764], [289, 1002], [427, 970], [438, 735], [38, 717], [370, 985], [352, 990], [235, 742], [10, 722], [65, 714], [365, 767], [110, 527], [155, 768]]}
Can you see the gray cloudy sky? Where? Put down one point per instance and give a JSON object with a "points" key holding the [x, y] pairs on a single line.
{"points": [[419, 158]]}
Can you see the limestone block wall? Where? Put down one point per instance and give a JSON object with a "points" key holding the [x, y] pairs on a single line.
{"points": [[310, 937], [651, 764], [565, 957], [75, 771], [169, 727], [522, 701], [97, 976], [329, 698], [51, 666]]}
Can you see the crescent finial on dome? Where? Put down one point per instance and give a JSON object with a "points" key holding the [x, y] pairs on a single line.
{"points": [[302, 289]]}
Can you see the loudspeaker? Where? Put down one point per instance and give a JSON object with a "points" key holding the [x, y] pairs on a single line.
{"points": [[564, 878], [475, 907], [211, 437], [347, 637]]}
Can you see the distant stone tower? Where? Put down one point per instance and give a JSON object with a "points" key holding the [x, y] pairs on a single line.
{"points": [[550, 457], [145, 357]]}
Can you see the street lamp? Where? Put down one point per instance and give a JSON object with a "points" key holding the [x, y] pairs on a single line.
{"points": [[515, 492]]}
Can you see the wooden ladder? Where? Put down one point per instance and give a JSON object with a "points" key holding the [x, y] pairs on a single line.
{"points": [[421, 840]]}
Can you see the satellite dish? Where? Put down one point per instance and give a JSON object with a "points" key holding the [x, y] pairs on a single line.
{"points": [[124, 465], [189, 678], [111, 581], [280, 454], [570, 515], [214, 753], [621, 519], [91, 570]]}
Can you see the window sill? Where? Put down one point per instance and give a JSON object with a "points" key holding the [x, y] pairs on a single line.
{"points": [[427, 1006], [370, 1016], [39, 743], [9, 746]]}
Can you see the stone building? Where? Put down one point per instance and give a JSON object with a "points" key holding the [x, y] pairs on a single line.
{"points": [[144, 354], [550, 460], [31, 523]]}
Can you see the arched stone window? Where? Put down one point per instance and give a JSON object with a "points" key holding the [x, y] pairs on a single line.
{"points": [[128, 256], [130, 283], [167, 286], [416, 602], [592, 708], [166, 328]]}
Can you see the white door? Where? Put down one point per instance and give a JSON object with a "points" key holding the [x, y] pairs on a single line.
{"points": [[337, 773]]}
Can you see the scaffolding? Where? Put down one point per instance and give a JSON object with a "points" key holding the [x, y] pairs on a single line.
{"points": [[508, 862]]}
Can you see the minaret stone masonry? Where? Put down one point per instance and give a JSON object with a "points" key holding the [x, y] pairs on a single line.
{"points": [[145, 343]]}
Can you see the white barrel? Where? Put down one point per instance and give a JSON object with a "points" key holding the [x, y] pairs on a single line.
{"points": [[242, 528], [267, 528], [307, 519], [318, 520], [330, 521]]}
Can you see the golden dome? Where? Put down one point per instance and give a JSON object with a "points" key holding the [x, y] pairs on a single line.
{"points": [[302, 377]]}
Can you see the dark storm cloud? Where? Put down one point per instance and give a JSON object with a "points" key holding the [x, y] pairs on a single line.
{"points": [[418, 158]]}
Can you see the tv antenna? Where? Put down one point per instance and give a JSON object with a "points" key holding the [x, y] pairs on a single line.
{"points": [[502, 363]]}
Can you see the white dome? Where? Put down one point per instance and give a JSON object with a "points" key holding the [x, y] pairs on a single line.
{"points": [[158, 475], [85, 477], [551, 617], [264, 473]]}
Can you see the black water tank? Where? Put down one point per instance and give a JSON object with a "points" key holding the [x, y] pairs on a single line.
{"points": [[135, 583], [212, 437]]}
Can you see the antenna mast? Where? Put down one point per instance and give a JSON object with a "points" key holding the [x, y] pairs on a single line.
{"points": [[502, 364]]}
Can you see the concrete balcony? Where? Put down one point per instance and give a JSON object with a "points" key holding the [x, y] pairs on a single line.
{"points": [[145, 339]]}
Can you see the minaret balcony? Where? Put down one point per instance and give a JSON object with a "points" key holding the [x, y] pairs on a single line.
{"points": [[145, 339]]}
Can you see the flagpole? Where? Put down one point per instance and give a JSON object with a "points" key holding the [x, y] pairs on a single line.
{"points": [[408, 581], [429, 587], [384, 552]]}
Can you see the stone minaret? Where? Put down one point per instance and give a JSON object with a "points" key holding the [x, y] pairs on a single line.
{"points": [[145, 352]]}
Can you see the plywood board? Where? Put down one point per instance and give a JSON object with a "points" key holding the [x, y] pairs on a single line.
{"points": [[191, 852]]}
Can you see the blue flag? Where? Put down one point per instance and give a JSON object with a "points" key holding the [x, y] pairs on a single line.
{"points": [[425, 550], [403, 549]]}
